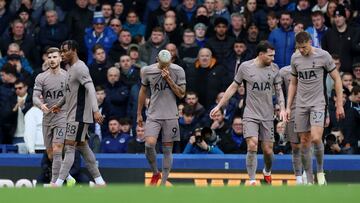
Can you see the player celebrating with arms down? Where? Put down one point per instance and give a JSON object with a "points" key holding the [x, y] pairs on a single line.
{"points": [[166, 82], [309, 68], [260, 77]]}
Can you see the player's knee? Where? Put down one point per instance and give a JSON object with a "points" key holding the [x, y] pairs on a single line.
{"points": [[57, 147], [252, 146], [70, 142], [316, 140], [150, 142]]}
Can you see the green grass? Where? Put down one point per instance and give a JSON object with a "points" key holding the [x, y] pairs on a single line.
{"points": [[184, 194]]}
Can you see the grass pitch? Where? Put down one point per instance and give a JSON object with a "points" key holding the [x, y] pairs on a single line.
{"points": [[184, 194]]}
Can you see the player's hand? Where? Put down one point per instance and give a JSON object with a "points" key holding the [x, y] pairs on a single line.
{"points": [[45, 109], [139, 120], [283, 116], [214, 111], [98, 117], [55, 109], [340, 114], [165, 74], [288, 114]]}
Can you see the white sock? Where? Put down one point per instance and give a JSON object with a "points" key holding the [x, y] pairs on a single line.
{"points": [[59, 182], [99, 180], [299, 180], [266, 173], [252, 181], [69, 177]]}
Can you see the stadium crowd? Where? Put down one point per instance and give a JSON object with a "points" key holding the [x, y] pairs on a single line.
{"points": [[209, 39]]}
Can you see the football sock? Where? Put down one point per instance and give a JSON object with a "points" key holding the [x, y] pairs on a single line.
{"points": [[56, 165], [90, 160], [296, 162], [307, 163], [251, 164], [167, 163], [150, 154], [67, 162], [319, 155]]}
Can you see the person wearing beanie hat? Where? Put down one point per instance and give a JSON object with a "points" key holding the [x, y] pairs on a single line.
{"points": [[200, 34], [346, 38], [99, 33], [24, 14]]}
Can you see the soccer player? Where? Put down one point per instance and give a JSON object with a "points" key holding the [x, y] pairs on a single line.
{"points": [[309, 68], [166, 82], [48, 90], [291, 135], [261, 78], [81, 110]]}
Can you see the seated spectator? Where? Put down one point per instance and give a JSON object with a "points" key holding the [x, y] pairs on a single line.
{"points": [[281, 146], [187, 125], [125, 126], [156, 42], [234, 141], [100, 65], [118, 9], [130, 74], [117, 93], [53, 33], [33, 134], [134, 25], [272, 21], [133, 52], [347, 80], [203, 141], [99, 33], [116, 25], [356, 72], [334, 143], [219, 125], [200, 34], [188, 50], [115, 142], [192, 100], [15, 57], [120, 46], [229, 107], [137, 146]]}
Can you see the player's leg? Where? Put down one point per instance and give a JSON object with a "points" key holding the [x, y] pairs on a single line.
{"points": [[266, 136], [294, 139], [58, 135], [90, 162], [251, 133], [152, 130], [170, 134]]}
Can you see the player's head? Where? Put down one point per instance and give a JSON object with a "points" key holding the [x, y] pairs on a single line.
{"points": [[69, 50], [53, 57], [164, 58], [303, 43], [265, 52]]}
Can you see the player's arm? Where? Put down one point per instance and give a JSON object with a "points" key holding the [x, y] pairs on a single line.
{"points": [[37, 96], [230, 91], [281, 100], [339, 94], [179, 90], [141, 102], [291, 94], [89, 86]]}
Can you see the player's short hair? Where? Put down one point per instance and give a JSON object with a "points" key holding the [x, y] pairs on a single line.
{"points": [[317, 13], [355, 90], [72, 45], [99, 88], [188, 110], [52, 50], [302, 37], [263, 47]]}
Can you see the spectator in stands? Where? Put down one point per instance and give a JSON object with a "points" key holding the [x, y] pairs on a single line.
{"points": [[115, 142], [133, 52], [237, 23], [77, 27], [116, 25], [356, 72], [134, 25], [93, 5], [187, 125], [107, 12], [321, 5], [232, 64], [137, 145], [23, 14], [120, 47], [174, 55], [156, 17], [33, 134], [133, 102], [283, 40], [350, 126], [192, 100], [219, 125], [5, 16], [272, 21], [281, 145], [117, 93], [99, 33], [210, 6], [334, 143], [220, 44], [347, 81], [237, 6], [206, 77], [53, 33], [298, 27], [200, 34], [221, 10], [21, 103], [189, 48], [17, 34], [172, 30], [98, 69], [229, 108], [329, 81], [7, 90], [130, 74], [202, 144], [125, 125], [318, 30], [259, 16], [97, 131], [15, 57], [302, 12], [343, 35], [234, 142], [186, 13], [329, 15], [118, 9], [157, 42]]}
